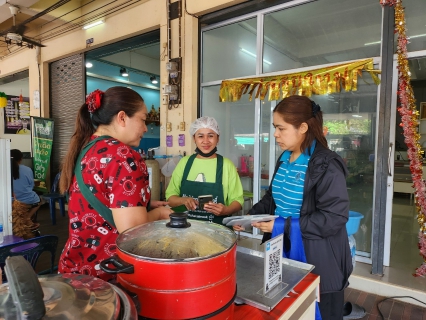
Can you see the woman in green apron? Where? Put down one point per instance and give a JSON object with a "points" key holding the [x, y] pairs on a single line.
{"points": [[206, 173]]}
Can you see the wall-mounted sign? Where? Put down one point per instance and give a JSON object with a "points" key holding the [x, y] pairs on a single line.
{"points": [[36, 99], [17, 115]]}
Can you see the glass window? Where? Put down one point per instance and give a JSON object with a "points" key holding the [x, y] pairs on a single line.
{"points": [[236, 124], [350, 129], [321, 32], [415, 23], [229, 51], [308, 35]]}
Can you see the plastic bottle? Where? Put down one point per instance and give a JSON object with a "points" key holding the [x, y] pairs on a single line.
{"points": [[243, 164], [251, 163], [154, 175], [1, 231], [352, 247]]}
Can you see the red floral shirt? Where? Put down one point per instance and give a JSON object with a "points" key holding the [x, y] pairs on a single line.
{"points": [[118, 177]]}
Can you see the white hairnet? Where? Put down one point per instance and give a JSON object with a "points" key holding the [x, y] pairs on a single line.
{"points": [[204, 123]]}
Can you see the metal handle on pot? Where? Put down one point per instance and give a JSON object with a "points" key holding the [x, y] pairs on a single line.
{"points": [[25, 288], [120, 266]]}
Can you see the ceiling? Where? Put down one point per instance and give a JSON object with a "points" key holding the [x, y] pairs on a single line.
{"points": [[290, 33], [139, 54], [24, 4], [65, 16]]}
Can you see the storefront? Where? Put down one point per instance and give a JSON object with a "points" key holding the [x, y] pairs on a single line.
{"points": [[299, 36], [132, 62]]}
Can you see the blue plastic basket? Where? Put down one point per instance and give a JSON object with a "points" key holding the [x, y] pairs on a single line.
{"points": [[352, 225]]}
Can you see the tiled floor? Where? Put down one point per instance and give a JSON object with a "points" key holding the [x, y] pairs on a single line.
{"points": [[375, 306], [405, 257], [404, 260]]}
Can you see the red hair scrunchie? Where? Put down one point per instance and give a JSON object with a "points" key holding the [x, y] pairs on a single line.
{"points": [[93, 100]]}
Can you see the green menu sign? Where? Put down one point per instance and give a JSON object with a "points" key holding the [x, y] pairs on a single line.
{"points": [[42, 139]]}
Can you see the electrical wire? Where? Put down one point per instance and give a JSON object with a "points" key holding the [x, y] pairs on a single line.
{"points": [[163, 54], [181, 68], [402, 158], [177, 80], [395, 297], [190, 13], [169, 32]]}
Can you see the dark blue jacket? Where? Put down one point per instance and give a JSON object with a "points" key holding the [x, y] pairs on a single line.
{"points": [[323, 217]]}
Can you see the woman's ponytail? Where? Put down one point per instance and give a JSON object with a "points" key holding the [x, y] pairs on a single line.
{"points": [[83, 131]]}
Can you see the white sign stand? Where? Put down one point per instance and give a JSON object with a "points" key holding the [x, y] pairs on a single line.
{"points": [[5, 187], [273, 263]]}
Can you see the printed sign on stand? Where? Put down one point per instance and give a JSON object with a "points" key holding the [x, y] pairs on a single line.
{"points": [[42, 139], [273, 263]]}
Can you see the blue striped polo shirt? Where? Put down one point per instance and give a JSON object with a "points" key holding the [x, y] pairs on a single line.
{"points": [[288, 184]]}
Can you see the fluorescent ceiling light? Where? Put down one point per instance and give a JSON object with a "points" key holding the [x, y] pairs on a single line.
{"points": [[371, 43], [409, 37], [356, 116], [96, 23], [417, 36], [254, 56], [89, 64]]}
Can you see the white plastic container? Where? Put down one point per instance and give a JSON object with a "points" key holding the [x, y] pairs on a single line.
{"points": [[352, 247], [154, 175]]}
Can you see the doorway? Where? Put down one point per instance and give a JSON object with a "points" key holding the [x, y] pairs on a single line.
{"points": [[134, 63], [404, 253]]}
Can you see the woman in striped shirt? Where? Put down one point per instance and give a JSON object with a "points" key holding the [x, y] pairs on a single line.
{"points": [[308, 192]]}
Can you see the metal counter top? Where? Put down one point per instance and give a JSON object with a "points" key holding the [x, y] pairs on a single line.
{"points": [[250, 268]]}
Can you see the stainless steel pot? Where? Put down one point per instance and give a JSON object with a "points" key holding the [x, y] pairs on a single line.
{"points": [[61, 296]]}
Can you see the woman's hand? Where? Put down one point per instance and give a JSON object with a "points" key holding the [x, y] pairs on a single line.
{"points": [[160, 213], [264, 226], [218, 209], [158, 203], [189, 203], [238, 228]]}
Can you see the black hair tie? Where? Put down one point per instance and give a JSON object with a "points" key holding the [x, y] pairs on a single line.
{"points": [[315, 108]]}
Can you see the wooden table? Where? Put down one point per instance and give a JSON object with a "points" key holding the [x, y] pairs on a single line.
{"points": [[296, 307]]}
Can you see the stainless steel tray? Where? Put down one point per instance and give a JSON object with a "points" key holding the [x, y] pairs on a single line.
{"points": [[250, 267]]}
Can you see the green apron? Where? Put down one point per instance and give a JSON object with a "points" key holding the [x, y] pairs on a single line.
{"points": [[100, 208], [194, 189]]}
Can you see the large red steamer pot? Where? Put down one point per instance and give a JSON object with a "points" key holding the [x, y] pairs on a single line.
{"points": [[179, 269]]}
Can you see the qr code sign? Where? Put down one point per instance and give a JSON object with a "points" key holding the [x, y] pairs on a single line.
{"points": [[274, 263]]}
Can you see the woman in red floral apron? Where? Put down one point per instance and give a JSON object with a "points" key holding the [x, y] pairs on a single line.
{"points": [[106, 180]]}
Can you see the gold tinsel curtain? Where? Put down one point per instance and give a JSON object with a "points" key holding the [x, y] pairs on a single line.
{"points": [[318, 81]]}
